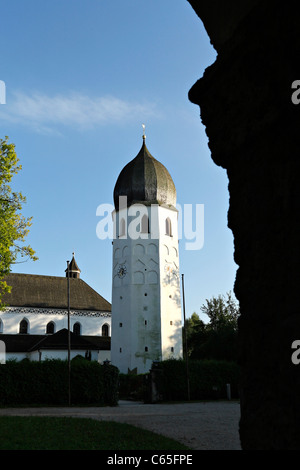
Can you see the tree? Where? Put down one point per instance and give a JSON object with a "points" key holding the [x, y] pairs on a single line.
{"points": [[222, 311], [195, 333], [216, 339], [13, 226]]}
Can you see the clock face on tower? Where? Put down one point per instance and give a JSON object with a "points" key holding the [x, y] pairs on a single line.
{"points": [[122, 270]]}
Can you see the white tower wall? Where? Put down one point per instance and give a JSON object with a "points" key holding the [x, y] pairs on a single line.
{"points": [[146, 306]]}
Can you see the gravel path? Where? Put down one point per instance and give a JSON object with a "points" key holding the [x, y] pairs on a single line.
{"points": [[201, 426]]}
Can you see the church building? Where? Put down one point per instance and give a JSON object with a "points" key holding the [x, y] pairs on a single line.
{"points": [[144, 322], [146, 300], [34, 324]]}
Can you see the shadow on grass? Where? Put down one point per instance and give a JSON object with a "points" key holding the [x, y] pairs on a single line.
{"points": [[53, 433]]}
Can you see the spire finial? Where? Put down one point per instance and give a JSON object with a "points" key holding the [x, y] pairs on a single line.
{"points": [[144, 135]]}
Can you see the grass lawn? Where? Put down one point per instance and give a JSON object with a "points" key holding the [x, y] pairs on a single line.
{"points": [[51, 433]]}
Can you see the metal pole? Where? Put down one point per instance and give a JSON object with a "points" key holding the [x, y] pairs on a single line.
{"points": [[69, 336], [185, 341]]}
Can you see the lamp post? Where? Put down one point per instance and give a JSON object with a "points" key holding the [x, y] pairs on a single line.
{"points": [[185, 342], [69, 336]]}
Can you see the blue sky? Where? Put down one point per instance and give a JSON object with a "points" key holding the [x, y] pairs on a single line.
{"points": [[81, 77]]}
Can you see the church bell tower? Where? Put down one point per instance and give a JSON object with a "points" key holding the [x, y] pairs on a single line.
{"points": [[146, 301]]}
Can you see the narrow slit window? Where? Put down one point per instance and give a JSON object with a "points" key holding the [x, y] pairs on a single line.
{"points": [[168, 227], [145, 228], [122, 228]]}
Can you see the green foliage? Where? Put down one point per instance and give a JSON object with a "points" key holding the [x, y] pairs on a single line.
{"points": [[217, 339], [13, 226], [221, 311], [171, 381], [36, 383], [110, 380], [208, 379], [61, 433]]}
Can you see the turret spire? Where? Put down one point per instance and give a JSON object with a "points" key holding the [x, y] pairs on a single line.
{"points": [[74, 270]]}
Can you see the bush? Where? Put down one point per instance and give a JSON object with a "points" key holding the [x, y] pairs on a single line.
{"points": [[208, 379], [46, 383]]}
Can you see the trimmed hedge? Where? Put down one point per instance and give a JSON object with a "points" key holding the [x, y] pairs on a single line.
{"points": [[46, 383], [208, 379]]}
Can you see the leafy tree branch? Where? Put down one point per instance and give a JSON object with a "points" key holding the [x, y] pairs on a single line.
{"points": [[13, 226]]}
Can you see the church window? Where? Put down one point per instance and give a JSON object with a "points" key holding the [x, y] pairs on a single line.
{"points": [[105, 330], [172, 349], [122, 228], [146, 348], [23, 327], [168, 227], [145, 224], [77, 329], [120, 325], [1, 326], [50, 328]]}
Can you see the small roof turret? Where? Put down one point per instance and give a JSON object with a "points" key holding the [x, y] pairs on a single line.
{"points": [[74, 270]]}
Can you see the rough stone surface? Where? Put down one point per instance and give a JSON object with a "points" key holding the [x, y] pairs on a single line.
{"points": [[253, 131]]}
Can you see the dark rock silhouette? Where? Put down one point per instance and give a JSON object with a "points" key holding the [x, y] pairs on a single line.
{"points": [[254, 133]]}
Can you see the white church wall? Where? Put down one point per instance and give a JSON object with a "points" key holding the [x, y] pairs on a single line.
{"points": [[99, 356], [104, 356], [39, 318], [15, 356], [63, 355]]}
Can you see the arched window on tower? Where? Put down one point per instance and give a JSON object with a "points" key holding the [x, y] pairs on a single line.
{"points": [[23, 327], [168, 227], [105, 330], [50, 328], [145, 224], [122, 228], [77, 329]]}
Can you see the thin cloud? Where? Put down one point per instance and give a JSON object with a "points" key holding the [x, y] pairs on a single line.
{"points": [[45, 113]]}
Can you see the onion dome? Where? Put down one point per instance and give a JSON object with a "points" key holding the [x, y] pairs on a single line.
{"points": [[146, 181]]}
